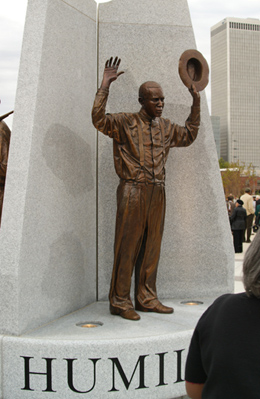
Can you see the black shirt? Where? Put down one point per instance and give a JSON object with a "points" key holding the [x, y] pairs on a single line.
{"points": [[225, 349]]}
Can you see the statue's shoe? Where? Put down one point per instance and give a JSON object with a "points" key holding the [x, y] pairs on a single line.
{"points": [[158, 308], [129, 314]]}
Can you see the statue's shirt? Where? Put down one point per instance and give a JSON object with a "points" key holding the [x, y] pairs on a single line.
{"points": [[142, 144]]}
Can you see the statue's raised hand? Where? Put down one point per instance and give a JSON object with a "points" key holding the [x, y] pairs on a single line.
{"points": [[110, 72], [195, 94]]}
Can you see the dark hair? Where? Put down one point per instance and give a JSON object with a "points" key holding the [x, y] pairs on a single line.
{"points": [[251, 268]]}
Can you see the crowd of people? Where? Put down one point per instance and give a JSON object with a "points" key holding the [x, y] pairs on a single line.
{"points": [[244, 215]]}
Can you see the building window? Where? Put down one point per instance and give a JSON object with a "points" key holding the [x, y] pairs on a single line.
{"points": [[237, 25]]}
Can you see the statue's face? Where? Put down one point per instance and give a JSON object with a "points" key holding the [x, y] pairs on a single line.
{"points": [[154, 102]]}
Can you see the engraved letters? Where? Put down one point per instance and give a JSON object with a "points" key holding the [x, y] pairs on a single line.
{"points": [[119, 379]]}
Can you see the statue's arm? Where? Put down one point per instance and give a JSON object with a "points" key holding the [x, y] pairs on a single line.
{"points": [[4, 148], [183, 136], [110, 72], [108, 124], [195, 95]]}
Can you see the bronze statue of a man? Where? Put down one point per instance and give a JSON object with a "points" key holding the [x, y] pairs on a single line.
{"points": [[5, 135], [142, 142]]}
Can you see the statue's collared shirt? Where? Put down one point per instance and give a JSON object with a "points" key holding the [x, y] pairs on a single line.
{"points": [[142, 144]]}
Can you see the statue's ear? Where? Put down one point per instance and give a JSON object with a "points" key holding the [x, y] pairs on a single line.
{"points": [[141, 100]]}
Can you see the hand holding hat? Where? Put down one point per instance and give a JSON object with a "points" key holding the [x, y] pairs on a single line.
{"points": [[194, 70]]}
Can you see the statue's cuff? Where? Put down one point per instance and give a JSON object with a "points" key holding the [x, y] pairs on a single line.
{"points": [[103, 91]]}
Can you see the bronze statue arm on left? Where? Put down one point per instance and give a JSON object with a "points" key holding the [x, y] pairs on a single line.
{"points": [[6, 115], [196, 96], [110, 72], [4, 147]]}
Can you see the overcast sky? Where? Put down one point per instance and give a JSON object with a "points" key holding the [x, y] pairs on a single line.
{"points": [[204, 14]]}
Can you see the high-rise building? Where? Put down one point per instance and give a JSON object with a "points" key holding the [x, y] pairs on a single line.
{"points": [[235, 88]]}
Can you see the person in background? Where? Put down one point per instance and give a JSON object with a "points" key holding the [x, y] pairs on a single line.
{"points": [[257, 202], [249, 207], [238, 225], [223, 358], [254, 201], [230, 204], [257, 211]]}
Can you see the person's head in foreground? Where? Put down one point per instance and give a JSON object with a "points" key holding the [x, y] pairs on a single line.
{"points": [[223, 358]]}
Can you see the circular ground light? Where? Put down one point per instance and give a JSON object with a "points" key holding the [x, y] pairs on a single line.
{"points": [[192, 303], [90, 324]]}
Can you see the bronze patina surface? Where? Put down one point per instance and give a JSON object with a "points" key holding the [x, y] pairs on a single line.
{"points": [[5, 135], [193, 69], [141, 144]]}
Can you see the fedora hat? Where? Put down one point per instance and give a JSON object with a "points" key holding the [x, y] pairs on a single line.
{"points": [[194, 69]]}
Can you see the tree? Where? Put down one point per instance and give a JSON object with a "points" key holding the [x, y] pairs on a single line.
{"points": [[237, 176], [231, 177], [223, 164], [251, 177]]}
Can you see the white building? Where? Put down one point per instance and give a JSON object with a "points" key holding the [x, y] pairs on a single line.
{"points": [[235, 87]]}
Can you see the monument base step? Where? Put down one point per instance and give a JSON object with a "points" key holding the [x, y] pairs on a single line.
{"points": [[92, 354]]}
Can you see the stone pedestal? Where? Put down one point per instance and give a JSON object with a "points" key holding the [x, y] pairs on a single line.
{"points": [[118, 359], [56, 238], [48, 232]]}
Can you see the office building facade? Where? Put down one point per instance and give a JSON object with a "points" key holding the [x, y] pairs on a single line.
{"points": [[235, 88]]}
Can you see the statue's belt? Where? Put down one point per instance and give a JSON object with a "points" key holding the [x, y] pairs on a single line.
{"points": [[144, 183]]}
